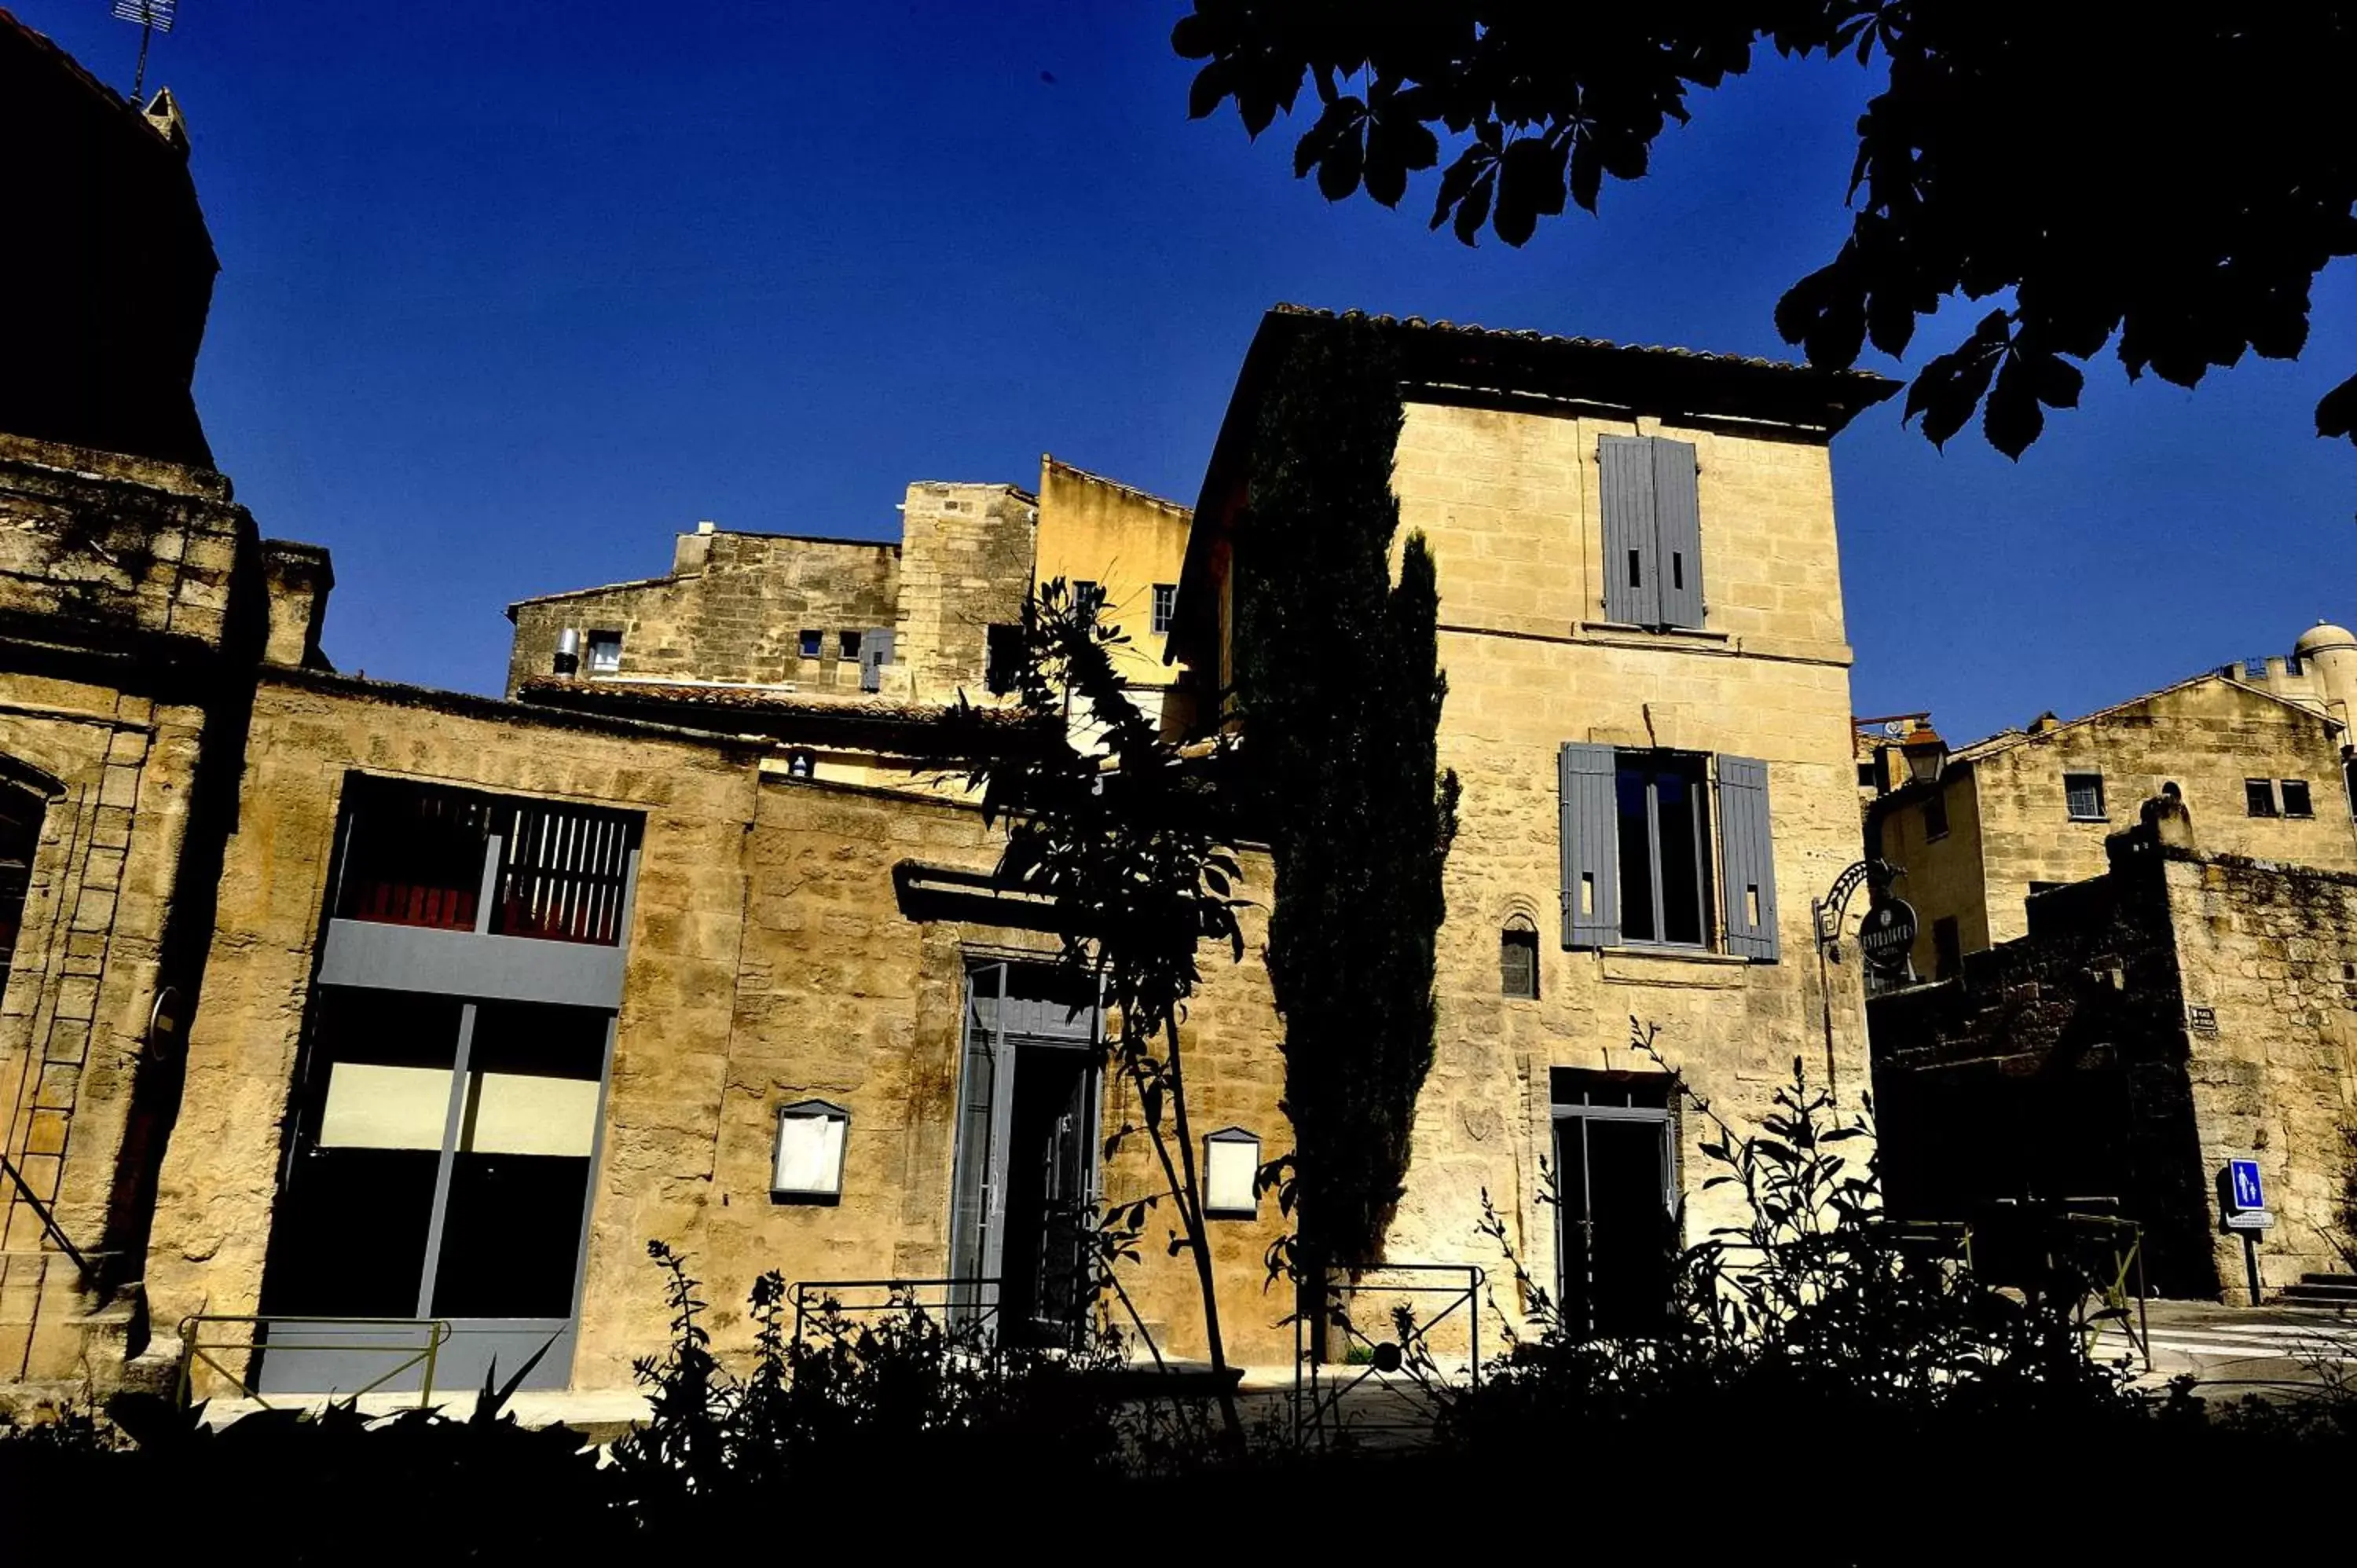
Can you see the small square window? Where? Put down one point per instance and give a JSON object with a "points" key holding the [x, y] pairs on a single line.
{"points": [[2082, 796], [1088, 596], [605, 652], [1165, 607], [847, 645], [1518, 962], [2259, 797], [813, 643], [2296, 802], [1935, 815]]}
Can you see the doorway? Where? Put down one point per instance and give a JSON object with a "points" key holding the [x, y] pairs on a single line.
{"points": [[1617, 1201], [1022, 1201]]}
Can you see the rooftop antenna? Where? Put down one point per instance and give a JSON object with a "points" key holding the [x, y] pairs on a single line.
{"points": [[154, 16]]}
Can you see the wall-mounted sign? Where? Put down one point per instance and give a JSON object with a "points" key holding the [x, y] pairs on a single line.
{"points": [[2243, 1187], [2203, 1019], [1888, 936]]}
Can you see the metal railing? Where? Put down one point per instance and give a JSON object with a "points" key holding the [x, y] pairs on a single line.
{"points": [[962, 1303], [196, 1348], [1385, 1325], [32, 1200]]}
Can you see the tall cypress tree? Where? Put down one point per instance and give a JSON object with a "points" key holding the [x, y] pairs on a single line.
{"points": [[1341, 692]]}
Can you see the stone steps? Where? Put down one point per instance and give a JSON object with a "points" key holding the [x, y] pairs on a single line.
{"points": [[2321, 1290]]}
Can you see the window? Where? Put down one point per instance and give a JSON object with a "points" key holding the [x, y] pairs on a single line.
{"points": [[1165, 607], [1935, 815], [1664, 833], [2082, 796], [1005, 658], [1518, 959], [1947, 949], [2296, 802], [605, 652], [420, 854], [847, 645], [1868, 775], [1652, 532], [1639, 829], [2259, 797], [1088, 596], [813, 643]]}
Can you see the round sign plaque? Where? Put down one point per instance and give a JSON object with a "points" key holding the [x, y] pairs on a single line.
{"points": [[1888, 935]]}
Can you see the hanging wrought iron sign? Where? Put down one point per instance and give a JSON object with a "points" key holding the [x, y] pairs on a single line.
{"points": [[1888, 935]]}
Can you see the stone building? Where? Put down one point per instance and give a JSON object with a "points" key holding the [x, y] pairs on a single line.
{"points": [[2184, 1007], [1982, 832], [853, 647], [333, 998], [1655, 784]]}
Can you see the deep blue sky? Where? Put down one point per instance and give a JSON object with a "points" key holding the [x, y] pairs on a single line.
{"points": [[512, 292]]}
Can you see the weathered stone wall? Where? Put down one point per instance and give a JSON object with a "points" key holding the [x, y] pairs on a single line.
{"points": [[966, 554], [2054, 1070], [116, 581], [2184, 1009], [1510, 502], [2206, 737], [733, 608], [2009, 827], [769, 961], [2271, 951]]}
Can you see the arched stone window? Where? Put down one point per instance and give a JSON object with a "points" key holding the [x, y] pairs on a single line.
{"points": [[1518, 959]]}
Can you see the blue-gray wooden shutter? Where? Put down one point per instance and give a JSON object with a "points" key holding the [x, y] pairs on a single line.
{"points": [[1631, 566], [1591, 849], [1677, 526], [875, 652], [1747, 851]]}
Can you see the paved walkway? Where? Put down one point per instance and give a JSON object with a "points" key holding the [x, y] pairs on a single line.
{"points": [[2224, 1346]]}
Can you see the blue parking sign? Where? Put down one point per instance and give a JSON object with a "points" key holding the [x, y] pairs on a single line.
{"points": [[2243, 1183]]}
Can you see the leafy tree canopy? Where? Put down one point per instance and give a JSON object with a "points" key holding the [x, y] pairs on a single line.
{"points": [[2170, 180]]}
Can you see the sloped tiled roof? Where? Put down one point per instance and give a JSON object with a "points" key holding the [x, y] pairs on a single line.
{"points": [[1876, 386]]}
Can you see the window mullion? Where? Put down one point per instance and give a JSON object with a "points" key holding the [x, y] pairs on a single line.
{"points": [[1654, 856]]}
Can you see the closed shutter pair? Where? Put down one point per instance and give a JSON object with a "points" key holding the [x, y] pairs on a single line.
{"points": [[1652, 532], [875, 652], [1591, 852]]}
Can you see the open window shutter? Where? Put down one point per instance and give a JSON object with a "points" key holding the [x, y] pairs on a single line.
{"points": [[1747, 858], [1677, 521], [1631, 569], [1591, 892], [875, 652]]}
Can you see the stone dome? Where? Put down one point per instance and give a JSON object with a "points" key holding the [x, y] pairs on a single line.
{"points": [[2322, 636]]}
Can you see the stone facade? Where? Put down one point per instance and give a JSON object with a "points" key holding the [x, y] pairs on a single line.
{"points": [[1507, 490], [2012, 828], [736, 608], [770, 960], [2184, 1008], [133, 607]]}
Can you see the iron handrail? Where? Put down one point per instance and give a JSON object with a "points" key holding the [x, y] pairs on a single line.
{"points": [[48, 1222], [194, 1348], [808, 1294]]}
